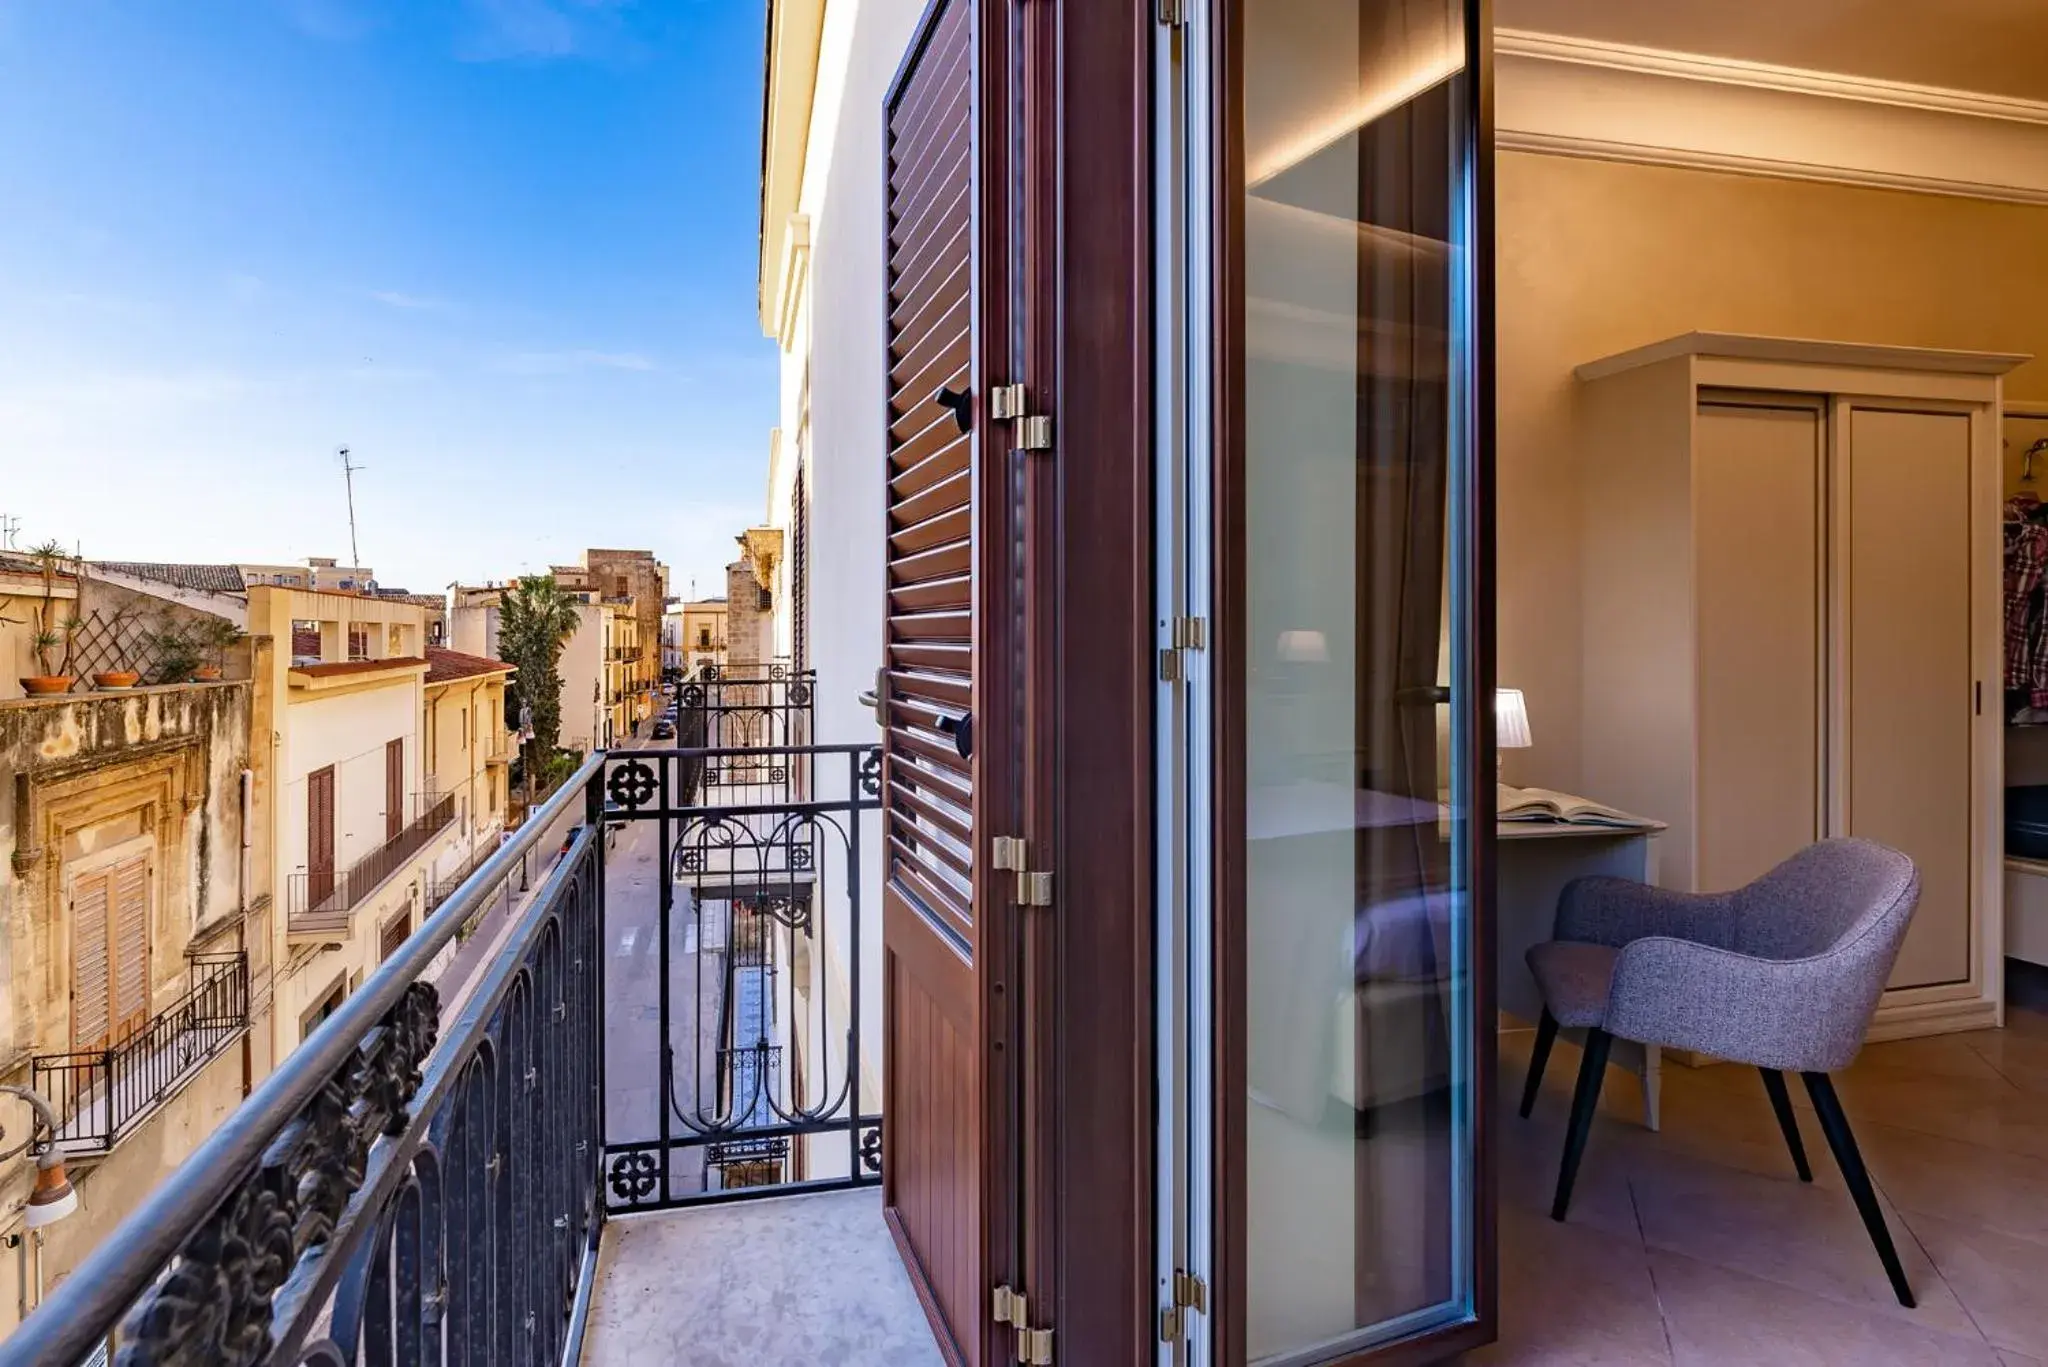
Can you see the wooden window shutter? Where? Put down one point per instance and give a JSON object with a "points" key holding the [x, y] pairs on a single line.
{"points": [[132, 885], [395, 933], [929, 812], [319, 836], [394, 789], [91, 899]]}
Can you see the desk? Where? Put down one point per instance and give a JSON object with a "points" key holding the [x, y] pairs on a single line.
{"points": [[1536, 860]]}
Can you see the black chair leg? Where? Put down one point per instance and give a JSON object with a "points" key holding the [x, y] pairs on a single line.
{"points": [[1835, 1125], [1546, 1035], [1585, 1101], [1781, 1102]]}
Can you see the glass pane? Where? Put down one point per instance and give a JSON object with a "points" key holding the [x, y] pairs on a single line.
{"points": [[1358, 1162]]}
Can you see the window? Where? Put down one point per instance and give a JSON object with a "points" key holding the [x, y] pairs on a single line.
{"points": [[464, 725], [319, 836], [110, 916], [767, 601], [703, 638], [305, 642], [324, 1008], [395, 932], [394, 788], [358, 642]]}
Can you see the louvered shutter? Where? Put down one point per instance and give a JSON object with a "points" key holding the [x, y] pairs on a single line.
{"points": [[394, 934], [930, 613], [943, 661], [319, 836], [130, 975], [91, 907]]}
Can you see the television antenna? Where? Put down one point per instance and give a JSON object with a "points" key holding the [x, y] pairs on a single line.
{"points": [[348, 477]]}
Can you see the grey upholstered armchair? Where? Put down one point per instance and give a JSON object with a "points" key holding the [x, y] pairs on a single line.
{"points": [[1782, 975]]}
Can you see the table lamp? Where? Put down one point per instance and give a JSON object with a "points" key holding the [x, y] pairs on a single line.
{"points": [[1510, 723]]}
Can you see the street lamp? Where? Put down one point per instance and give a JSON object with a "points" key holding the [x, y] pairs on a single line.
{"points": [[53, 1197]]}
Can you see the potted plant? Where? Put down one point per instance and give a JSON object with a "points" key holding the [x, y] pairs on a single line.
{"points": [[51, 632], [216, 636], [178, 651]]}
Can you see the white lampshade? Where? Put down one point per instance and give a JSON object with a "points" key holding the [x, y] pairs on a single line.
{"points": [[1510, 720]]}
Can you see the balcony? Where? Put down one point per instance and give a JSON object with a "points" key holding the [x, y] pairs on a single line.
{"points": [[671, 1026], [103, 1095], [319, 905]]}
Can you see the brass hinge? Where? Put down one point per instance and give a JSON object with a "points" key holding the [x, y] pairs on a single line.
{"points": [[1173, 13], [1009, 853], [1184, 634], [1034, 1346], [1034, 430], [1191, 1292], [1007, 1307], [1171, 1327]]}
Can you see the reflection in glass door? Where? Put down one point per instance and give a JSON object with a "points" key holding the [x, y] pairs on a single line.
{"points": [[1350, 798]]}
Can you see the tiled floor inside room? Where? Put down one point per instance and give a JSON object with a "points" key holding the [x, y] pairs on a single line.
{"points": [[1698, 1245]]}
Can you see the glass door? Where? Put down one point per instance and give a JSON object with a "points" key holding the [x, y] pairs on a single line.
{"points": [[1330, 494]]}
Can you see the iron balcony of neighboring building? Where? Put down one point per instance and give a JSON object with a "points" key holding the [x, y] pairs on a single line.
{"points": [[103, 1095], [318, 908]]}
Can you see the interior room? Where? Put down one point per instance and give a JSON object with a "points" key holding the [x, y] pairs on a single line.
{"points": [[1769, 287], [1772, 282]]}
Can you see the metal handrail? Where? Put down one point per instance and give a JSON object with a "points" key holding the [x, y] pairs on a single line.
{"points": [[77, 1315]]}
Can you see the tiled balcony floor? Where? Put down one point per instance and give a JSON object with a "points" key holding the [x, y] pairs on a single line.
{"points": [[1694, 1247], [797, 1279], [1698, 1246]]}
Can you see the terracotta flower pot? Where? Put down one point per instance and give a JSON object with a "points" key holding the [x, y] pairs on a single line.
{"points": [[46, 685], [116, 678], [206, 674]]}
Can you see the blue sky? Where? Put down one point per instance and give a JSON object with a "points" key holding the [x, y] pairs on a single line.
{"points": [[502, 249]]}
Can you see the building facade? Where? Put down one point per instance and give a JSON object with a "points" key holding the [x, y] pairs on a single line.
{"points": [[355, 834], [130, 913]]}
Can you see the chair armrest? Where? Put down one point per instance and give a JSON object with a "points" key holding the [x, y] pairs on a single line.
{"points": [[1613, 911], [1802, 1015]]}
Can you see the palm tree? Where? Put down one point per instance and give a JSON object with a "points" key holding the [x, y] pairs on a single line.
{"points": [[535, 621]]}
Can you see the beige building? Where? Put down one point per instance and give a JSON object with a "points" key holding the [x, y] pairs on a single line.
{"points": [[466, 750], [628, 679], [698, 630], [473, 616], [355, 836], [129, 912]]}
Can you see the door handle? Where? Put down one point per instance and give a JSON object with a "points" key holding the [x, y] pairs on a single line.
{"points": [[961, 729], [960, 401]]}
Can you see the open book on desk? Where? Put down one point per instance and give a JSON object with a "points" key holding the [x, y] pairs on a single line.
{"points": [[1542, 805]]}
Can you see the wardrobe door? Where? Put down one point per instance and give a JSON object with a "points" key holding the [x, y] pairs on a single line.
{"points": [[1905, 602], [1757, 483]]}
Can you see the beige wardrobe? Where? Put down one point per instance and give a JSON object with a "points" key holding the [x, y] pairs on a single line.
{"points": [[1791, 589]]}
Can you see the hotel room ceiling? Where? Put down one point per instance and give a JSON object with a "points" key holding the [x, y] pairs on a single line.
{"points": [[1996, 47]]}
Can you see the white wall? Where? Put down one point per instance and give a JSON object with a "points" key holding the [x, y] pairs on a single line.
{"points": [[348, 730], [859, 50], [582, 671]]}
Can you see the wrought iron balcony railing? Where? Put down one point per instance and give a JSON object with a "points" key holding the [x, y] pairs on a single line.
{"points": [[320, 903], [393, 1193], [102, 1095]]}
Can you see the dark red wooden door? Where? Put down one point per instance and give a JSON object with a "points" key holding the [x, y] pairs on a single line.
{"points": [[319, 836], [394, 789], [949, 695]]}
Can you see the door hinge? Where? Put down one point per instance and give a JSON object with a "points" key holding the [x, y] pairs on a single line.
{"points": [[1173, 13], [1034, 1346], [1034, 430], [1191, 1292], [1007, 1307], [1008, 852], [1184, 634], [1171, 1329]]}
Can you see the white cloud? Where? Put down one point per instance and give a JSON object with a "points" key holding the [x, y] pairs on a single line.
{"points": [[399, 299], [569, 362], [501, 30]]}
